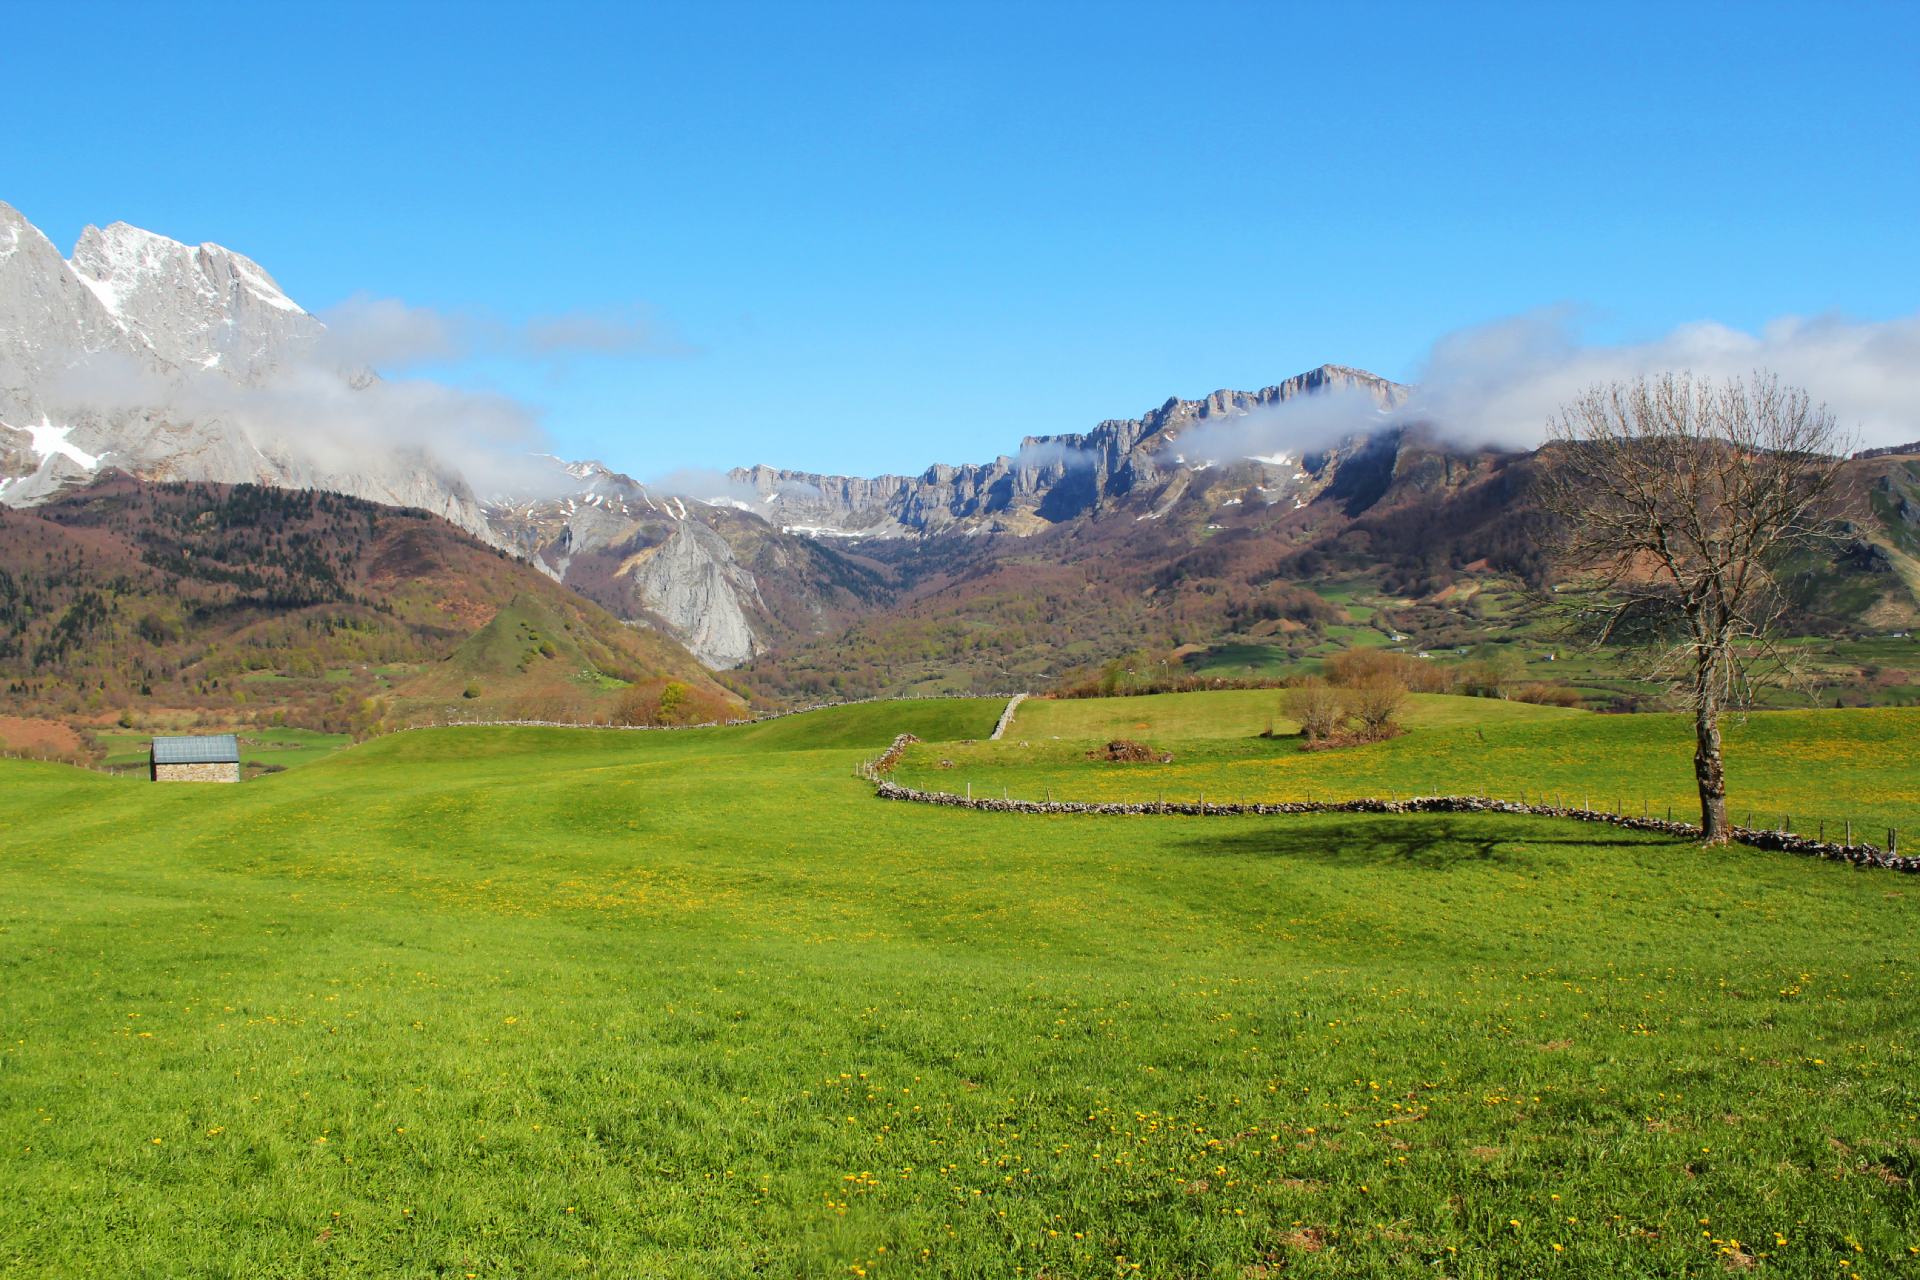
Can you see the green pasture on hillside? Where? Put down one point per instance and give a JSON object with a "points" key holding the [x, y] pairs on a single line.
{"points": [[1858, 765], [1238, 713], [259, 745], [478, 1002]]}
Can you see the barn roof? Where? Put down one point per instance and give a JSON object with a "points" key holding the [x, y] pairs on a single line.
{"points": [[218, 748]]}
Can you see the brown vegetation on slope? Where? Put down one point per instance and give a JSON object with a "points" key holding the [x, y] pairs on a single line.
{"points": [[318, 609]]}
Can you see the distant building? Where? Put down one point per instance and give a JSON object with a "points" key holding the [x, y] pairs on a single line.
{"points": [[208, 759]]}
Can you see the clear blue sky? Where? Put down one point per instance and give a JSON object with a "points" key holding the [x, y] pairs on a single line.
{"points": [[900, 233]]}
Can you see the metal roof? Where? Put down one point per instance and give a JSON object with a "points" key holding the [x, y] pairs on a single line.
{"points": [[219, 748]]}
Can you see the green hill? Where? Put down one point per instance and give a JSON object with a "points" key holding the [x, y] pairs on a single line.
{"points": [[243, 603]]}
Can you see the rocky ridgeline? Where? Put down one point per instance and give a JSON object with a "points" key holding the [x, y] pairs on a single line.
{"points": [[1859, 855], [1054, 477]]}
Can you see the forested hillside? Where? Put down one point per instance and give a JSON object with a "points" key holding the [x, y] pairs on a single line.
{"points": [[333, 611]]}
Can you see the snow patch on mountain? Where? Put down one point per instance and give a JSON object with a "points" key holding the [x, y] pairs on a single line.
{"points": [[46, 440]]}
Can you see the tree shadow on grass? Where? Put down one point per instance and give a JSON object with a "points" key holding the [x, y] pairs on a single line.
{"points": [[1426, 843]]}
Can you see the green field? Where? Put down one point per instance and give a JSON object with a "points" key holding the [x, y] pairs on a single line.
{"points": [[1858, 765], [536, 1002], [127, 749]]}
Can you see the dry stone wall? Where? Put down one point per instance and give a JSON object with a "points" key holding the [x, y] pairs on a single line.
{"points": [[1006, 717], [1859, 855]]}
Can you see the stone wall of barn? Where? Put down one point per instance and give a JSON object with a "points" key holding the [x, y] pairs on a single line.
{"points": [[196, 773]]}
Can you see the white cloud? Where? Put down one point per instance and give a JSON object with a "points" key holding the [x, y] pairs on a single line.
{"points": [[703, 484], [1501, 383], [1038, 452], [1291, 427]]}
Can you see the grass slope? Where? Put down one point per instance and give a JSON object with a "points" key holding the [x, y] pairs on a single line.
{"points": [[1815, 766], [488, 1002], [1237, 713], [128, 749]]}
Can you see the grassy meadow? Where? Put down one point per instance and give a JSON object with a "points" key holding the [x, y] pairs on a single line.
{"points": [[535, 1002], [261, 746], [1860, 765]]}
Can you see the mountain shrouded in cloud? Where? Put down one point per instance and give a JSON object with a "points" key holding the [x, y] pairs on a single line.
{"points": [[177, 361]]}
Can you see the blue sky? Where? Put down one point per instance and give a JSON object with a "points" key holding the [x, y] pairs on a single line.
{"points": [[878, 236]]}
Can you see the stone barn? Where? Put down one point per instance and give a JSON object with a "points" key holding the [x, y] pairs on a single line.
{"points": [[215, 758]]}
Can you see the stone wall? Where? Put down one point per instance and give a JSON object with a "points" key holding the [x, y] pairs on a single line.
{"points": [[196, 773], [1859, 855], [1006, 717]]}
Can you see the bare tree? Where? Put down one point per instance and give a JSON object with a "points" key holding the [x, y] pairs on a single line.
{"points": [[1677, 501], [1316, 707], [1375, 703]]}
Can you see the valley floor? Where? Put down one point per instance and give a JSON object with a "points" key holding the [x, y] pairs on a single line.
{"points": [[486, 1002]]}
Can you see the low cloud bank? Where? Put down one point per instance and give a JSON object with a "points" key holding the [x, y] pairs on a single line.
{"points": [[1500, 384], [1290, 428], [1039, 452], [347, 397], [706, 485]]}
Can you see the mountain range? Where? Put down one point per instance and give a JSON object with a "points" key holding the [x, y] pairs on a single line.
{"points": [[140, 357]]}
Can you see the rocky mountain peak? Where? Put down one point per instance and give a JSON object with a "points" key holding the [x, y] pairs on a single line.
{"points": [[199, 306]]}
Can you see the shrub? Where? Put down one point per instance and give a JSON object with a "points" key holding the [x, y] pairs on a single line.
{"points": [[1351, 668], [1492, 672], [1317, 708], [673, 701], [471, 691], [637, 705], [1548, 695], [1375, 705], [669, 702]]}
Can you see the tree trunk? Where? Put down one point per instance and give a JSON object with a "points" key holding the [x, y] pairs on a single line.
{"points": [[1710, 773]]}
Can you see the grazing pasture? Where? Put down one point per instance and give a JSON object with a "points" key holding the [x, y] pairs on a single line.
{"points": [[1860, 765], [489, 1002], [261, 747]]}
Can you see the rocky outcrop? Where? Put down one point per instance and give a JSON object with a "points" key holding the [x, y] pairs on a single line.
{"points": [[692, 583]]}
